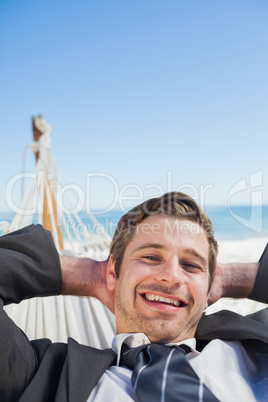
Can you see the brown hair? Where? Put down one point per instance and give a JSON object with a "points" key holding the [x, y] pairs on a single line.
{"points": [[176, 204]]}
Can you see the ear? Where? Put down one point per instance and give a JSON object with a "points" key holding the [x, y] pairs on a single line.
{"points": [[110, 275]]}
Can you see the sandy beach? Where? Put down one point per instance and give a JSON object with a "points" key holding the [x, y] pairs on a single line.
{"points": [[248, 250]]}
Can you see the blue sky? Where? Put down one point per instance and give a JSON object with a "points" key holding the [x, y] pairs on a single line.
{"points": [[142, 96]]}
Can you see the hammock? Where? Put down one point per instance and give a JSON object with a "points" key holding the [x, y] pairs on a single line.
{"points": [[86, 320]]}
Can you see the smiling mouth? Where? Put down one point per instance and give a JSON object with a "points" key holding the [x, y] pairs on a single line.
{"points": [[161, 299]]}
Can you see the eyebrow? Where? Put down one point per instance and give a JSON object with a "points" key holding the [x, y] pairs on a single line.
{"points": [[151, 245], [195, 253]]}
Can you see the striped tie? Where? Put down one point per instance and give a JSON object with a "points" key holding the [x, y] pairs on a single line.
{"points": [[163, 374]]}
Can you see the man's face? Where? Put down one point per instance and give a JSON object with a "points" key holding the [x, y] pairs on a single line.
{"points": [[163, 282]]}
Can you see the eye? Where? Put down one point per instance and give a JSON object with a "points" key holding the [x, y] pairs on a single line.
{"points": [[151, 258], [192, 267]]}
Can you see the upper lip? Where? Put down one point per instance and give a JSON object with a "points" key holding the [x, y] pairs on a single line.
{"points": [[173, 300]]}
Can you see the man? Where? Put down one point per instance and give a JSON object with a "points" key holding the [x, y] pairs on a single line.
{"points": [[162, 262]]}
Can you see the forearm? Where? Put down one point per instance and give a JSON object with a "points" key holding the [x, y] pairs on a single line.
{"points": [[247, 280], [241, 280], [80, 276], [86, 277], [238, 279]]}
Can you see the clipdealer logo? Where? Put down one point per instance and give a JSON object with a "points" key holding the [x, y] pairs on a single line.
{"points": [[72, 198]]}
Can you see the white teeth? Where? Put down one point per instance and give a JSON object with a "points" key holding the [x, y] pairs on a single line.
{"points": [[152, 297]]}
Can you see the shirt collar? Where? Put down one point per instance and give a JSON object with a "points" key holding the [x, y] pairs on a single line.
{"points": [[134, 340]]}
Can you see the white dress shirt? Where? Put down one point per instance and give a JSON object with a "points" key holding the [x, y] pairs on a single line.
{"points": [[223, 366]]}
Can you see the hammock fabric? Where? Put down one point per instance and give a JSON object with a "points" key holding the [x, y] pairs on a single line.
{"points": [[58, 317]]}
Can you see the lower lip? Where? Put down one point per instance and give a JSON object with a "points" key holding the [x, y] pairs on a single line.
{"points": [[162, 306]]}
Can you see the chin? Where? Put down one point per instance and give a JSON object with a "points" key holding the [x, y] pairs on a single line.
{"points": [[162, 337]]}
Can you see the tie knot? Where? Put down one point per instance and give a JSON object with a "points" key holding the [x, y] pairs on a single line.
{"points": [[129, 355]]}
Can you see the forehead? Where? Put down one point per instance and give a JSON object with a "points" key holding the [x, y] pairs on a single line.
{"points": [[170, 231]]}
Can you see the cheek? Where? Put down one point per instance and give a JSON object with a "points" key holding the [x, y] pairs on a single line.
{"points": [[127, 284], [199, 288], [124, 285], [136, 274]]}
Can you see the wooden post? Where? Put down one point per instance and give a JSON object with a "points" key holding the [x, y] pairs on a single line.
{"points": [[47, 219]]}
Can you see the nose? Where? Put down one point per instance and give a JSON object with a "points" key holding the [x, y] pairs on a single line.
{"points": [[170, 272]]}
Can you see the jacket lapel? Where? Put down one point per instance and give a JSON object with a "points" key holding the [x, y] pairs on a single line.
{"points": [[227, 325], [85, 367]]}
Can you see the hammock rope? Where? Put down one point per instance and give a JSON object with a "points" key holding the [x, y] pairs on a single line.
{"points": [[59, 317]]}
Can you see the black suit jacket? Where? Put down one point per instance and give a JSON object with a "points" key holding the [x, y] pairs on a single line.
{"points": [[44, 371]]}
